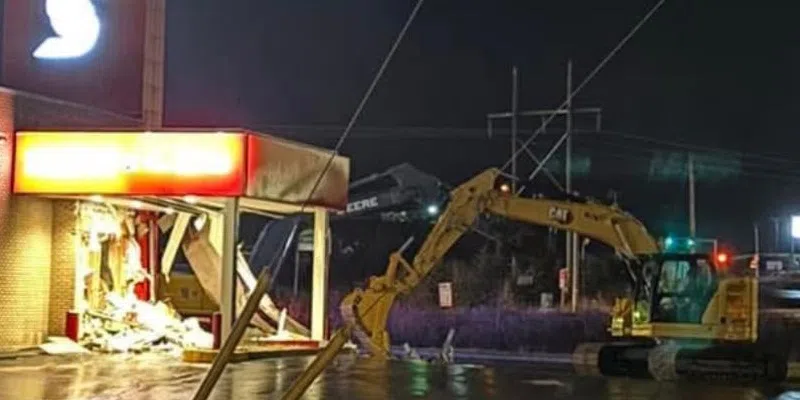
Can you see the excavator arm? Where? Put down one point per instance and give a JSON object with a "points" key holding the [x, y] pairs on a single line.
{"points": [[367, 310]]}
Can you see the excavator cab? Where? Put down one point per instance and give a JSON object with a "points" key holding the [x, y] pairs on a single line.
{"points": [[683, 285], [688, 296]]}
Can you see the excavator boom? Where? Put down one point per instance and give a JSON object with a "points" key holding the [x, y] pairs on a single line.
{"points": [[478, 196]]}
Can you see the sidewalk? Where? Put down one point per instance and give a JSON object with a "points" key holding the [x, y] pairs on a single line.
{"points": [[21, 353]]}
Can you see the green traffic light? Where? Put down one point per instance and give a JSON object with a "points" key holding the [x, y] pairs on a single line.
{"points": [[690, 242], [669, 241]]}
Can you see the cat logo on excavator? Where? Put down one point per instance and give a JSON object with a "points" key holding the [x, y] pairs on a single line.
{"points": [[560, 215]]}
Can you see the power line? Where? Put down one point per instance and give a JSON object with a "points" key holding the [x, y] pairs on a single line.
{"points": [[364, 100], [586, 80], [450, 133], [689, 146]]}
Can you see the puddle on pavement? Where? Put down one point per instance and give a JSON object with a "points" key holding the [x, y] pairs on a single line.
{"points": [[152, 376]]}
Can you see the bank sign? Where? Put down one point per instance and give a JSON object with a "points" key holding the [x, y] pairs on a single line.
{"points": [[85, 51], [76, 28]]}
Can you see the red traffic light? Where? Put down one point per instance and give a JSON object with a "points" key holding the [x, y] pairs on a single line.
{"points": [[722, 258]]}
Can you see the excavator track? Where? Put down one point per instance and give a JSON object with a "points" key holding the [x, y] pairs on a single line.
{"points": [[669, 361]]}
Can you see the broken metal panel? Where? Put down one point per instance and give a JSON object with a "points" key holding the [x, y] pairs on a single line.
{"points": [[166, 222], [285, 171], [206, 264], [173, 243]]}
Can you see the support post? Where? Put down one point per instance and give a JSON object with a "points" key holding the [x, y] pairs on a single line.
{"points": [[230, 236], [319, 279], [153, 259], [153, 71], [296, 283], [236, 332]]}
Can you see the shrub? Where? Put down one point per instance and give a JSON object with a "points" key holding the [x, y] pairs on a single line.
{"points": [[482, 327]]}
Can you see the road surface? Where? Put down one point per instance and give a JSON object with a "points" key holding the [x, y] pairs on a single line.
{"points": [[95, 377]]}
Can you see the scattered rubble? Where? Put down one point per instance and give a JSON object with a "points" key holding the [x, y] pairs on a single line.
{"points": [[127, 324], [445, 356]]}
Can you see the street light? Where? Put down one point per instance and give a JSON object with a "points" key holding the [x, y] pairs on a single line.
{"points": [[796, 226]]}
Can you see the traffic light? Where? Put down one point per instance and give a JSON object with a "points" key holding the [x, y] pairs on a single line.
{"points": [[681, 244], [723, 259]]}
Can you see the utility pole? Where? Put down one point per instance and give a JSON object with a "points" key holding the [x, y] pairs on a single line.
{"points": [[692, 221], [756, 240], [572, 248], [514, 115], [777, 224], [572, 238]]}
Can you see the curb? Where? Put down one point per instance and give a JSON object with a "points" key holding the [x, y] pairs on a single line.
{"points": [[205, 356]]}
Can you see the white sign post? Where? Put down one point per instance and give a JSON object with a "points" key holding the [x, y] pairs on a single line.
{"points": [[445, 294], [562, 279]]}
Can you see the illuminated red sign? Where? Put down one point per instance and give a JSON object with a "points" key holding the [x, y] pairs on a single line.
{"points": [[178, 164], [130, 163]]}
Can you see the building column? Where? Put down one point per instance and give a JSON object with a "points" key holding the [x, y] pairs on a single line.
{"points": [[319, 277], [230, 236]]}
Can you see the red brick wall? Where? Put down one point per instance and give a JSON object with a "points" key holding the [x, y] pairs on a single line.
{"points": [[34, 238], [25, 280], [62, 266]]}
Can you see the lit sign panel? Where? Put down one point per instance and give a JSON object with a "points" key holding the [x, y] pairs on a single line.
{"points": [[83, 51], [130, 163], [76, 25], [796, 226]]}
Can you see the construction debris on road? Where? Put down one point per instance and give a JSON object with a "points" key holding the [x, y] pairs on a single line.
{"points": [[127, 324]]}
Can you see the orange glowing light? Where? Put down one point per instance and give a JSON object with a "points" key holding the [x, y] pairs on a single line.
{"points": [[722, 258], [170, 163]]}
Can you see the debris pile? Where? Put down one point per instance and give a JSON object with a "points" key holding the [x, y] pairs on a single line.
{"points": [[127, 324]]}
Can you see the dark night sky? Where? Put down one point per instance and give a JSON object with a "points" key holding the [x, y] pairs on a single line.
{"points": [[710, 72], [715, 73]]}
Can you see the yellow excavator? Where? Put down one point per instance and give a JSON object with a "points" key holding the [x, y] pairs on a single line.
{"points": [[684, 315]]}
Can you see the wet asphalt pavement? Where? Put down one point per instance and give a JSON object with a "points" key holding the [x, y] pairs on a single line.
{"points": [[161, 377]]}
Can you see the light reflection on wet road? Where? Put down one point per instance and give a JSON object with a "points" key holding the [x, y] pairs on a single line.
{"points": [[161, 377]]}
